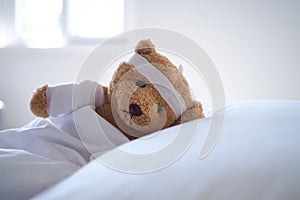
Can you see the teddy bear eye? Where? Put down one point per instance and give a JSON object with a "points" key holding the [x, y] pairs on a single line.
{"points": [[140, 84], [159, 107]]}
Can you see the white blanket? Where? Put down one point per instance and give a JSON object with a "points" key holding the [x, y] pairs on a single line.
{"points": [[45, 151], [256, 157]]}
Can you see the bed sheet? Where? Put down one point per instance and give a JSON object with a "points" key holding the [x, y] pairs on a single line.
{"points": [[256, 157]]}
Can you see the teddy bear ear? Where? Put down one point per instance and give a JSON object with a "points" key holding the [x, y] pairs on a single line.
{"points": [[145, 47]]}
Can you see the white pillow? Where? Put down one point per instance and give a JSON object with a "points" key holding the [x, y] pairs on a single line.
{"points": [[256, 157]]}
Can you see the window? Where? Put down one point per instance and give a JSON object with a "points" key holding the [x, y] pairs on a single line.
{"points": [[104, 18], [37, 22], [54, 23]]}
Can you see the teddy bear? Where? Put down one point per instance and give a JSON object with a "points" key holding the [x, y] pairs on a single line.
{"points": [[146, 94]]}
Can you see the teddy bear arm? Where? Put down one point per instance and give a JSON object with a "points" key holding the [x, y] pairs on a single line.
{"points": [[192, 113], [66, 98]]}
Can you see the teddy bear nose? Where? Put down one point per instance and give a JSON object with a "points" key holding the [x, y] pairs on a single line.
{"points": [[135, 110]]}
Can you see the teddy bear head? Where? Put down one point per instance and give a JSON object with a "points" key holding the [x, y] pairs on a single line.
{"points": [[147, 93]]}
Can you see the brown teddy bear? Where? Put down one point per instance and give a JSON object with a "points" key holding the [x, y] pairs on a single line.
{"points": [[146, 94]]}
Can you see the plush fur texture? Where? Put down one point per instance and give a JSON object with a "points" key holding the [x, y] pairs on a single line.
{"points": [[125, 89], [38, 103]]}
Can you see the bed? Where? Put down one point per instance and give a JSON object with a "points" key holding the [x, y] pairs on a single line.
{"points": [[256, 156]]}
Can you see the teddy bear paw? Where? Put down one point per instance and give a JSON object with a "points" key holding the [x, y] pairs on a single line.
{"points": [[38, 103]]}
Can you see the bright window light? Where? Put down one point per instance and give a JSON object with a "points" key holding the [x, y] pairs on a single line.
{"points": [[38, 22], [95, 18], [55, 23], [1, 105], [4, 38]]}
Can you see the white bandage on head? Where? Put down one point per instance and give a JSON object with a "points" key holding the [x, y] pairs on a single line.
{"points": [[161, 83]]}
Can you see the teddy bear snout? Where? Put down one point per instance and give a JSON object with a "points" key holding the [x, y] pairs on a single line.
{"points": [[135, 110]]}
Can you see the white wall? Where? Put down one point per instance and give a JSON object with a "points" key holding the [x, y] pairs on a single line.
{"points": [[255, 45], [22, 70]]}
